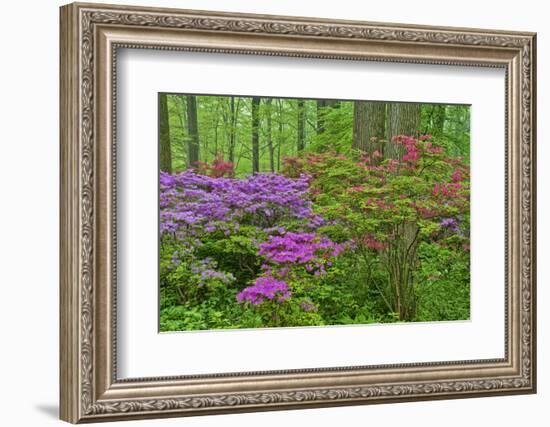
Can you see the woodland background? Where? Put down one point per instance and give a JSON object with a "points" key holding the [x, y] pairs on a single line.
{"points": [[255, 133]]}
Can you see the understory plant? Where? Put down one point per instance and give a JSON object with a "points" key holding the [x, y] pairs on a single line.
{"points": [[387, 207]]}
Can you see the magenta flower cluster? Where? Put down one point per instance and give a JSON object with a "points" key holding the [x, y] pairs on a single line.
{"points": [[192, 204], [283, 253], [299, 248], [265, 287]]}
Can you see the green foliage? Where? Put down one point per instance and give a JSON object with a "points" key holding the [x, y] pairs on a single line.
{"points": [[346, 298], [287, 313], [443, 283], [390, 207], [450, 125], [338, 125], [237, 253]]}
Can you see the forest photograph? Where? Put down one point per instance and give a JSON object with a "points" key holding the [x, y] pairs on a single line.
{"points": [[290, 212]]}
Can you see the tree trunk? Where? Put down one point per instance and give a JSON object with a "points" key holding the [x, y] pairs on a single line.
{"points": [[301, 125], [439, 119], [192, 131], [232, 129], [216, 138], [403, 119], [400, 260], [280, 133], [255, 134], [369, 121], [165, 154], [268, 103]]}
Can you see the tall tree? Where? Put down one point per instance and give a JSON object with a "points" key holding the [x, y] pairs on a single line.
{"points": [[255, 134], [179, 150], [369, 121], [301, 125], [403, 119], [439, 119], [165, 161], [217, 114], [192, 131], [233, 111], [280, 131], [268, 103]]}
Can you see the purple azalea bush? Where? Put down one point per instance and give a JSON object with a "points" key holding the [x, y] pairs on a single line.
{"points": [[265, 288], [194, 207], [192, 204]]}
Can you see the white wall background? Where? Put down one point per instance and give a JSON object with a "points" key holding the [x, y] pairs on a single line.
{"points": [[29, 170]]}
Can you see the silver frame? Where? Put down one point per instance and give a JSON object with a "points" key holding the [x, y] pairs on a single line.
{"points": [[90, 37]]}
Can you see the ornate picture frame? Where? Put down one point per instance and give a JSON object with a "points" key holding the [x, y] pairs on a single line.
{"points": [[90, 37]]}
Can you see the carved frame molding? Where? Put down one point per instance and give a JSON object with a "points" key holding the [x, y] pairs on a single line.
{"points": [[90, 37]]}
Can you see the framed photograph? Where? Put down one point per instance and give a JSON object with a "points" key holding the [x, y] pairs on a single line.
{"points": [[266, 212]]}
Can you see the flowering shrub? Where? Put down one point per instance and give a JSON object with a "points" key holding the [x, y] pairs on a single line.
{"points": [[219, 168], [300, 248], [265, 288], [290, 258], [193, 204], [245, 224], [192, 277], [389, 206]]}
